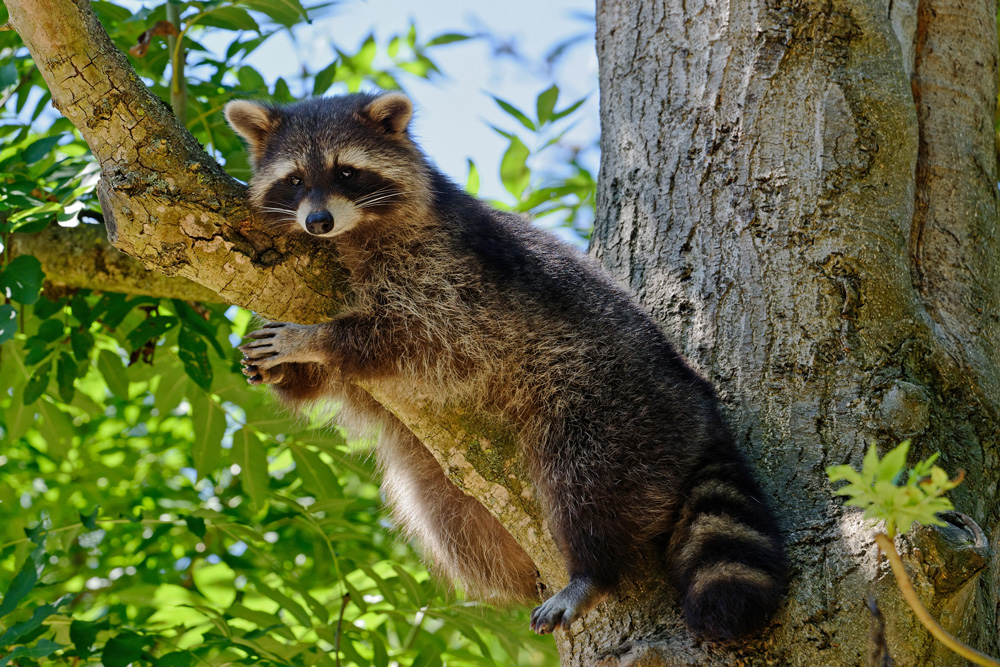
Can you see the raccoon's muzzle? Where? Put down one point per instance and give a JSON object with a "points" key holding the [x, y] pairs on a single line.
{"points": [[319, 222]]}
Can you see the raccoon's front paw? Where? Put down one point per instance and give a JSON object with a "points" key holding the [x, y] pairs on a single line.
{"points": [[280, 343], [569, 604]]}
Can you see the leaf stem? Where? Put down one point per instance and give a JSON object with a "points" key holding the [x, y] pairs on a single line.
{"points": [[910, 595], [78, 524], [178, 85], [340, 624]]}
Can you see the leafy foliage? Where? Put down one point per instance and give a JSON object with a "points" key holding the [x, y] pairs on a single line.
{"points": [[570, 193], [156, 510], [876, 489]]}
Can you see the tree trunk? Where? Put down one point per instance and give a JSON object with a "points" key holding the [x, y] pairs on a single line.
{"points": [[819, 235], [816, 234]]}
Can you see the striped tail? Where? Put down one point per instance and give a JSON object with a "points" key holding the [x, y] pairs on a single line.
{"points": [[727, 557]]}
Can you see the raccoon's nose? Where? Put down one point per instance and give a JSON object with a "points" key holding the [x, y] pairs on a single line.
{"points": [[319, 222]]}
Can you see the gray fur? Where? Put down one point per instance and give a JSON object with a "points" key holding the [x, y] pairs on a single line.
{"points": [[471, 305]]}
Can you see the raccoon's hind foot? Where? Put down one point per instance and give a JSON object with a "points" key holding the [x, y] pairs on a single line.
{"points": [[282, 343], [559, 611]]}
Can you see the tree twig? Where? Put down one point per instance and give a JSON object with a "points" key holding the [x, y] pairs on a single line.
{"points": [[340, 624], [928, 621], [178, 83]]}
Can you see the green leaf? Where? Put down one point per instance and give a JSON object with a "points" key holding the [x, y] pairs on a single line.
{"points": [[324, 78], [892, 464], [18, 630], [216, 582], [81, 309], [516, 113], [81, 343], [8, 75], [39, 149], [281, 93], [559, 115], [123, 649], [381, 653], [42, 649], [110, 366], [251, 80], [228, 17], [356, 596], [37, 384], [427, 657], [869, 466], [316, 475], [193, 353], [249, 454], [285, 602], [209, 423], [24, 581], [286, 12], [843, 473], [196, 525], [22, 279], [175, 659], [66, 376], [363, 59], [546, 103], [514, 173], [56, 429], [174, 386], [46, 308], [448, 38], [90, 521], [83, 634], [472, 182], [51, 330], [384, 588], [150, 328], [8, 322]]}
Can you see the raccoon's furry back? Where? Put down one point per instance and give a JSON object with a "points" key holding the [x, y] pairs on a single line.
{"points": [[463, 304]]}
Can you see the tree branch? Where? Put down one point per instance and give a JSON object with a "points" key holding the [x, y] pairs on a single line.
{"points": [[168, 204], [81, 257]]}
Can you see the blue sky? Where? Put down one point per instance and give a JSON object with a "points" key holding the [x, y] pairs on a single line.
{"points": [[454, 112]]}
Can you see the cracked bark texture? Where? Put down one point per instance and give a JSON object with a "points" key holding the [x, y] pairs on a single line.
{"points": [[805, 195], [81, 257]]}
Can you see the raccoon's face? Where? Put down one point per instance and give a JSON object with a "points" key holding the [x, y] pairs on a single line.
{"points": [[329, 165]]}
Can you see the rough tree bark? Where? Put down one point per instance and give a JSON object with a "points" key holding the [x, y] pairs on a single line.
{"points": [[818, 235], [805, 194]]}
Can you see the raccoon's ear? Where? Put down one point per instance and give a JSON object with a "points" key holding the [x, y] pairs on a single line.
{"points": [[391, 112], [253, 121]]}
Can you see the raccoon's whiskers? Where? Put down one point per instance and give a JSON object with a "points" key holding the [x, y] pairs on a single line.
{"points": [[379, 198]]}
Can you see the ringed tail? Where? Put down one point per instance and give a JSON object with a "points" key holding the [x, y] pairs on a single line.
{"points": [[727, 556]]}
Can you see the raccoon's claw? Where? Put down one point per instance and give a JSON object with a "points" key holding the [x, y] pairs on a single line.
{"points": [[259, 351], [266, 331], [566, 606], [281, 343], [260, 347], [256, 375]]}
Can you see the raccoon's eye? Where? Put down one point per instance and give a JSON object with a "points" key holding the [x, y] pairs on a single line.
{"points": [[294, 181], [345, 173]]}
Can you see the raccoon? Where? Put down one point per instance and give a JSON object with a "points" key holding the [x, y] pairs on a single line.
{"points": [[624, 442]]}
